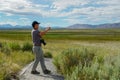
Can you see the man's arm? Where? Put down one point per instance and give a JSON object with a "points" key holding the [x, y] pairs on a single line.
{"points": [[44, 32]]}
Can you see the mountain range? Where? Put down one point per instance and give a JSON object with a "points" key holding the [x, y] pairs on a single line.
{"points": [[74, 26], [11, 27], [89, 26]]}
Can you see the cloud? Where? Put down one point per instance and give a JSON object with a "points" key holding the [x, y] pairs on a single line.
{"points": [[70, 10], [23, 18], [23, 7], [108, 2], [25, 21], [48, 24], [9, 22], [93, 14], [9, 14], [62, 4], [74, 20]]}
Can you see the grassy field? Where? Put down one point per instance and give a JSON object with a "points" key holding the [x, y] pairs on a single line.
{"points": [[73, 47], [83, 34]]}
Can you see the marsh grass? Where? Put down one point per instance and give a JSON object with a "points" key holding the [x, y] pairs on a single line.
{"points": [[80, 34], [13, 63], [48, 54], [27, 46], [14, 46], [0, 44], [12, 59], [86, 64], [72, 57], [98, 48], [5, 48]]}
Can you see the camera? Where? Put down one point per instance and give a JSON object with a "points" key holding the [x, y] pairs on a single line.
{"points": [[43, 41]]}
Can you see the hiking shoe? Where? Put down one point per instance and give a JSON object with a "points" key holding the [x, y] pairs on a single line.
{"points": [[47, 71], [35, 72]]}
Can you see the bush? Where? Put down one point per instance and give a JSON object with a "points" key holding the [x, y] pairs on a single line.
{"points": [[27, 47], [96, 71], [56, 62], [83, 64], [11, 65], [48, 55], [10, 72], [0, 45], [70, 58], [15, 46], [5, 49]]}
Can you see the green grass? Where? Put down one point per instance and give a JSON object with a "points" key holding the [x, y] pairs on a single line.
{"points": [[11, 64], [12, 59], [82, 34], [85, 63], [74, 46], [27, 46]]}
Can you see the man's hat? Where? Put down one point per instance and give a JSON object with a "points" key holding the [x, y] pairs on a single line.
{"points": [[35, 22]]}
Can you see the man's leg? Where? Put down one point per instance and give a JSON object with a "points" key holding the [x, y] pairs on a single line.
{"points": [[42, 62], [37, 59]]}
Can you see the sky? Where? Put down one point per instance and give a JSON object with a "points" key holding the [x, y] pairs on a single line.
{"points": [[59, 12]]}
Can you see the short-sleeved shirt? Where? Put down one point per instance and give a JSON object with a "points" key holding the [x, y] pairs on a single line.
{"points": [[36, 37]]}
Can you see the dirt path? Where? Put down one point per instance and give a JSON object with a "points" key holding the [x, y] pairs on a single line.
{"points": [[26, 75]]}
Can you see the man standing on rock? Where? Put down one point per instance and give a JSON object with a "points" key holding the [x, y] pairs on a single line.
{"points": [[37, 49]]}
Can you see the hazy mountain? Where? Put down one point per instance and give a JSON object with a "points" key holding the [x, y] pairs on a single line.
{"points": [[5, 26], [80, 26], [114, 25], [75, 26], [85, 26], [8, 26]]}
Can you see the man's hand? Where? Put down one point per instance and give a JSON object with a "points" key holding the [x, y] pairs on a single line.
{"points": [[44, 32]]}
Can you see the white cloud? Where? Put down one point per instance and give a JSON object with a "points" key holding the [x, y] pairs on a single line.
{"points": [[9, 22], [23, 7], [25, 21], [71, 20], [23, 18], [95, 14], [9, 14], [63, 4], [107, 9], [48, 24], [109, 2]]}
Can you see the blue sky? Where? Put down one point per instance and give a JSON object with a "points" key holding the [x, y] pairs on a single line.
{"points": [[59, 12]]}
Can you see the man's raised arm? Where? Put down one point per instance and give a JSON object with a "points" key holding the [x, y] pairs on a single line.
{"points": [[44, 32]]}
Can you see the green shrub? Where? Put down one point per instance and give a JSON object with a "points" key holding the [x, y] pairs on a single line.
{"points": [[15, 46], [71, 58], [0, 45], [56, 62], [5, 49], [96, 71], [27, 46], [48, 55], [10, 69], [83, 64], [12, 64]]}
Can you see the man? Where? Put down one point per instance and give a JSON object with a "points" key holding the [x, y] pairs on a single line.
{"points": [[37, 49]]}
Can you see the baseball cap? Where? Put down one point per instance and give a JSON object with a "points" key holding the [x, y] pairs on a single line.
{"points": [[35, 22]]}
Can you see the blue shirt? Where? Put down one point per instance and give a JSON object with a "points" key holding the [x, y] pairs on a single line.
{"points": [[35, 37]]}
